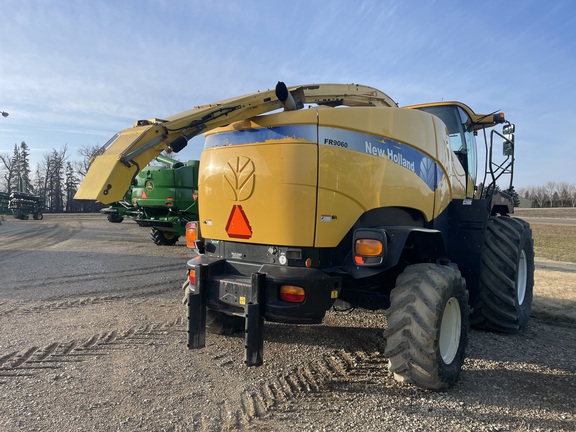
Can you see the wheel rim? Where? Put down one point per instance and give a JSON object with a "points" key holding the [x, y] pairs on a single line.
{"points": [[522, 277], [450, 330]]}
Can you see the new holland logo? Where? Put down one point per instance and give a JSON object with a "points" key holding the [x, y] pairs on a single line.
{"points": [[239, 178], [238, 185]]}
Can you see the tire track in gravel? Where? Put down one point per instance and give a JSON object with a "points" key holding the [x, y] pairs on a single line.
{"points": [[34, 282], [311, 377], [29, 361], [27, 239], [24, 308]]}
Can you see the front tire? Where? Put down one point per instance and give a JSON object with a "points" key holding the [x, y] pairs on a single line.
{"points": [[506, 277], [114, 218], [163, 238], [427, 329]]}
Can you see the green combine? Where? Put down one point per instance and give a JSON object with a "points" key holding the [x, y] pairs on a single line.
{"points": [[163, 198]]}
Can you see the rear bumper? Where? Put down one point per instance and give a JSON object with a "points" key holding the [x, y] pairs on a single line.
{"points": [[228, 286]]}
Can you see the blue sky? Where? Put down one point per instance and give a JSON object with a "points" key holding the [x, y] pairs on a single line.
{"points": [[74, 72]]}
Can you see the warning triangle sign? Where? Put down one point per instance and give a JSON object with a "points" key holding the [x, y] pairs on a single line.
{"points": [[144, 195], [238, 225]]}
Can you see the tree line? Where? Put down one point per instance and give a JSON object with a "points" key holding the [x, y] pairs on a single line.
{"points": [[551, 194], [55, 179]]}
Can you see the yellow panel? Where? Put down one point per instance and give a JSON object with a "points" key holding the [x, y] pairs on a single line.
{"points": [[394, 123], [351, 183], [108, 178], [366, 162], [275, 183], [107, 181]]}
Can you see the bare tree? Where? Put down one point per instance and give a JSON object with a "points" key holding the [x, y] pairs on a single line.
{"points": [[87, 154], [563, 194], [572, 194], [7, 171], [539, 195], [550, 189], [52, 172], [71, 188]]}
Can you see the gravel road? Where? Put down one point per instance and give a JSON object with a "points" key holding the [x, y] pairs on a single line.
{"points": [[94, 339]]}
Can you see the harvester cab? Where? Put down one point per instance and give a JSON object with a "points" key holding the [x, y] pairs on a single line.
{"points": [[463, 128], [353, 199]]}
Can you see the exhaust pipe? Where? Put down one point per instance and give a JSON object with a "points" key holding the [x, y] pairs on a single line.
{"points": [[286, 98]]}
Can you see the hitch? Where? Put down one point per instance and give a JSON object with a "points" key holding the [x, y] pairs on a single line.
{"points": [[197, 310], [254, 321], [253, 317]]}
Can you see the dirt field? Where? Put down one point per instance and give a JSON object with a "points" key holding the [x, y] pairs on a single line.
{"points": [[94, 339]]}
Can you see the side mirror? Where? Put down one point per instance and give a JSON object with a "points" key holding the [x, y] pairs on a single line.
{"points": [[508, 129], [508, 144]]}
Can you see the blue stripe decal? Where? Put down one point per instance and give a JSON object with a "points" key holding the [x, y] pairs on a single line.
{"points": [[405, 156], [256, 136], [401, 154]]}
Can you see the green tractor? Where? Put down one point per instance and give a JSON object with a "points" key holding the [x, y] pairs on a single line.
{"points": [[24, 204], [165, 198]]}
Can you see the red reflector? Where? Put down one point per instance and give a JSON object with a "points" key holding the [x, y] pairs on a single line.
{"points": [[168, 198], [192, 276], [238, 225], [292, 294], [292, 298], [195, 196], [144, 195], [358, 259]]}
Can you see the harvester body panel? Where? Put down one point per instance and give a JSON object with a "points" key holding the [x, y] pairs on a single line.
{"points": [[304, 178]]}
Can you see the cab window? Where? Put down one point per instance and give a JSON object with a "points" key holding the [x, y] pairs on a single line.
{"points": [[462, 141]]}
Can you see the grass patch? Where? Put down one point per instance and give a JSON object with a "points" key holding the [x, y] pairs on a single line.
{"points": [[554, 242]]}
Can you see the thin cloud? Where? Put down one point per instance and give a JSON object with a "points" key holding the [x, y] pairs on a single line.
{"points": [[77, 72]]}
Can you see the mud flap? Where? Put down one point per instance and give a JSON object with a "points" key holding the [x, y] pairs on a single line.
{"points": [[197, 310], [254, 330]]}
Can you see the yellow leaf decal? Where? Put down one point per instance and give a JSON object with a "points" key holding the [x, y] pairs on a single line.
{"points": [[239, 178]]}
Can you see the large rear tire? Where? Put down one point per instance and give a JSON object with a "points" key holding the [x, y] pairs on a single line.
{"points": [[222, 324], [217, 322], [427, 329], [506, 277], [163, 238]]}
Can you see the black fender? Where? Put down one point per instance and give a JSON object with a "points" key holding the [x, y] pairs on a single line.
{"points": [[409, 243]]}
